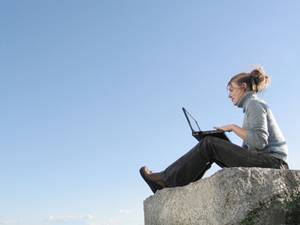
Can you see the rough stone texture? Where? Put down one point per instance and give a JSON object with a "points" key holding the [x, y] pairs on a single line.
{"points": [[246, 196]]}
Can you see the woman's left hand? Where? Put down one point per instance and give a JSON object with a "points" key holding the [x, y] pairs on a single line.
{"points": [[226, 128]]}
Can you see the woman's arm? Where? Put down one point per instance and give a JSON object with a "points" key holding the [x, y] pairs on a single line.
{"points": [[256, 133], [241, 132], [256, 117]]}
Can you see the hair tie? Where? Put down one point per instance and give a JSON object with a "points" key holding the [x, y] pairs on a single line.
{"points": [[256, 80]]}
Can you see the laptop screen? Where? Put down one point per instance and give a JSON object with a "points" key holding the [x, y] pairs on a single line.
{"points": [[191, 120]]}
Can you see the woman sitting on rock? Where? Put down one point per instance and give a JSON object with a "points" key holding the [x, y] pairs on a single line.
{"points": [[263, 142]]}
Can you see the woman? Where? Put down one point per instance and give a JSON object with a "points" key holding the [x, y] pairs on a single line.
{"points": [[263, 142]]}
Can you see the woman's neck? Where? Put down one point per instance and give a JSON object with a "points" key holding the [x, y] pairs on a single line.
{"points": [[243, 99]]}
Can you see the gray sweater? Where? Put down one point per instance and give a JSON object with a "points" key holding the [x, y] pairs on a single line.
{"points": [[263, 132]]}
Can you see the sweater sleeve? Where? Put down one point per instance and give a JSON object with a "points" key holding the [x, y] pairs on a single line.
{"points": [[257, 132]]}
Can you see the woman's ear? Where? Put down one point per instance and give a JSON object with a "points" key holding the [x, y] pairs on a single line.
{"points": [[244, 86]]}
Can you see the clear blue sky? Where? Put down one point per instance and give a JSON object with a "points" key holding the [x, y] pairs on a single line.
{"points": [[92, 90]]}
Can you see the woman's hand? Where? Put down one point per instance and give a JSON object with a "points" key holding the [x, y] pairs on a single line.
{"points": [[226, 128], [241, 132]]}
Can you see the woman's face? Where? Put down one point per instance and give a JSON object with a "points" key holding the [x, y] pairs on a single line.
{"points": [[236, 92]]}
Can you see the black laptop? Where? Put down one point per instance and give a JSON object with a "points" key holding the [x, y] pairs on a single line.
{"points": [[199, 135]]}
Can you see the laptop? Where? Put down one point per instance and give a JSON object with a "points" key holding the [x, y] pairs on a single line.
{"points": [[199, 135]]}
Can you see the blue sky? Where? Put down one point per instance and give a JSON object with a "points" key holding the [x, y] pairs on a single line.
{"points": [[92, 90]]}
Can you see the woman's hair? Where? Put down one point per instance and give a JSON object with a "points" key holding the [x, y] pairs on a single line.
{"points": [[257, 80]]}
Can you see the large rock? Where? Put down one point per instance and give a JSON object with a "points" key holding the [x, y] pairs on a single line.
{"points": [[231, 196]]}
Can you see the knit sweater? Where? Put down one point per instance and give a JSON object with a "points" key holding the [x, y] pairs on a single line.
{"points": [[263, 132]]}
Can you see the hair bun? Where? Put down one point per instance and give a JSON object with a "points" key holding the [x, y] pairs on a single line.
{"points": [[257, 72], [260, 79]]}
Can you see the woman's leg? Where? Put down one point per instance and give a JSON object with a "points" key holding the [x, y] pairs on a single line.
{"points": [[193, 164], [188, 168]]}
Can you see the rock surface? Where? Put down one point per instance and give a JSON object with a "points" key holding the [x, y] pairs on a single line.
{"points": [[246, 196]]}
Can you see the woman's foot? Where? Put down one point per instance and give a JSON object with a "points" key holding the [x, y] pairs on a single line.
{"points": [[154, 180]]}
